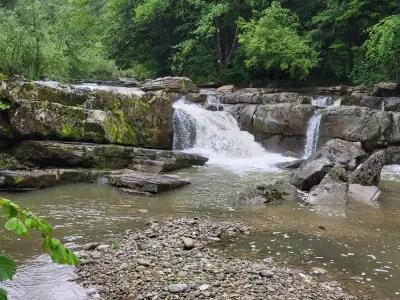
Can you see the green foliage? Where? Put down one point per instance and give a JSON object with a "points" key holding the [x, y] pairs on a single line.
{"points": [[379, 58], [273, 42], [4, 104], [96, 39], [21, 221]]}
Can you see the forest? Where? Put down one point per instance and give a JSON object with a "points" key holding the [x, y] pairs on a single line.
{"points": [[238, 41]]}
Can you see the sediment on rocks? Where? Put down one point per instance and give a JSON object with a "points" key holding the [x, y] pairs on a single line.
{"points": [[158, 263]]}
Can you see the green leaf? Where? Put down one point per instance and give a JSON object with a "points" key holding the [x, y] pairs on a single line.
{"points": [[17, 226], [3, 294], [11, 224], [8, 268]]}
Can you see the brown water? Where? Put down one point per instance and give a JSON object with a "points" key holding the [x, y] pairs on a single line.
{"points": [[361, 249]]}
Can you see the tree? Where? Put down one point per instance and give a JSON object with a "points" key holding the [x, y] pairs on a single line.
{"points": [[20, 221], [379, 58], [273, 42]]}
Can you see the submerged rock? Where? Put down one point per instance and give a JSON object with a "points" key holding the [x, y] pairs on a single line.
{"points": [[368, 195], [270, 193]]}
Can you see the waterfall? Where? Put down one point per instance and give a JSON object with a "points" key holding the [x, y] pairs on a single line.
{"points": [[383, 105], [216, 135], [312, 135]]}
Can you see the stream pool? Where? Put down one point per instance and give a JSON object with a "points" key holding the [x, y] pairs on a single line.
{"points": [[362, 249]]}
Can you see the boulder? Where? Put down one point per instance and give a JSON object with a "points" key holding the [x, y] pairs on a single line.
{"points": [[330, 196], [363, 100], [369, 172], [171, 84], [332, 153], [59, 154], [356, 124], [225, 88], [46, 91], [270, 193], [144, 183], [391, 104], [281, 119], [368, 195], [386, 89], [39, 119], [393, 155], [290, 165]]}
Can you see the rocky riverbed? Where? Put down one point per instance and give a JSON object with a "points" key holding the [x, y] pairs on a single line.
{"points": [[175, 259]]}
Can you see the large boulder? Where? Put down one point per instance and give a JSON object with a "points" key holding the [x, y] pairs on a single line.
{"points": [[334, 152], [369, 172], [171, 84], [58, 154], [356, 124], [330, 196], [6, 132], [139, 126], [283, 119]]}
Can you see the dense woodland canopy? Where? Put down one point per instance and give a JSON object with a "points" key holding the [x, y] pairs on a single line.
{"points": [[239, 41]]}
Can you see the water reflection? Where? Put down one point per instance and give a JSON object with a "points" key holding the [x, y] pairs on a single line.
{"points": [[363, 248]]}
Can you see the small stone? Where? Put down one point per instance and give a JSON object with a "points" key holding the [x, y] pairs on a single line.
{"points": [[143, 211], [318, 271], [182, 274], [188, 243], [220, 276], [143, 262], [177, 288], [204, 287], [266, 273]]}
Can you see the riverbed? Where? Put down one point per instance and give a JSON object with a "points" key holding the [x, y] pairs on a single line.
{"points": [[361, 249]]}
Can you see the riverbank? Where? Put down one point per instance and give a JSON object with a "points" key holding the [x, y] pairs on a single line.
{"points": [[175, 259]]}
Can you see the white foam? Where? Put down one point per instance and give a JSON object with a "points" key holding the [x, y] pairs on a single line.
{"points": [[218, 136]]}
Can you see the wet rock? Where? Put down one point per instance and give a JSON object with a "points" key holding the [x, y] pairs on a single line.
{"points": [[369, 172], [59, 154], [138, 182], [318, 271], [332, 153], [214, 107], [368, 195], [188, 243], [270, 193], [290, 165], [356, 124], [177, 288], [171, 84], [262, 96]]}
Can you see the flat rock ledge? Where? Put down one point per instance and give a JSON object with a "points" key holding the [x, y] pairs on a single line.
{"points": [[128, 181], [156, 263]]}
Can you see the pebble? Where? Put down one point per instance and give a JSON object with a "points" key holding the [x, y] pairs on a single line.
{"points": [[177, 288], [188, 243]]}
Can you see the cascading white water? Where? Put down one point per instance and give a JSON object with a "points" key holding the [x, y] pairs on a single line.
{"points": [[312, 135], [216, 135]]}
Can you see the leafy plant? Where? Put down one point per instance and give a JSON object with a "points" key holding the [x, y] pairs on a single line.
{"points": [[21, 221]]}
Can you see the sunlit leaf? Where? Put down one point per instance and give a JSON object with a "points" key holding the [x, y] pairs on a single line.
{"points": [[8, 268]]}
